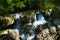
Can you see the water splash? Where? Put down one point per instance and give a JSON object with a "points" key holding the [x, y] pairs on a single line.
{"points": [[17, 18], [31, 35], [39, 20], [26, 36]]}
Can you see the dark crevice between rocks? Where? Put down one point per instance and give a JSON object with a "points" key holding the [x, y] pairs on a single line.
{"points": [[5, 37]]}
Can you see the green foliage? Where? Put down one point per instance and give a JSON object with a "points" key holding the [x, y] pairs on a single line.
{"points": [[48, 4], [20, 4], [8, 6]]}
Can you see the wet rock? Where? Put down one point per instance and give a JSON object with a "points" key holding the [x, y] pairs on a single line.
{"points": [[58, 38], [58, 29], [49, 37], [46, 35], [53, 30], [3, 32], [10, 20], [6, 20], [58, 26], [45, 32], [40, 36], [13, 33]]}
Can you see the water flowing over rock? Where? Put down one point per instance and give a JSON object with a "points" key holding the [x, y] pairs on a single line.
{"points": [[39, 20], [27, 31], [58, 29], [40, 36], [45, 32]]}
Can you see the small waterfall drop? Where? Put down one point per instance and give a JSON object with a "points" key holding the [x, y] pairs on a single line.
{"points": [[17, 21], [31, 35], [39, 19]]}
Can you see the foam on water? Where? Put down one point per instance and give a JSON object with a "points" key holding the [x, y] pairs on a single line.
{"points": [[40, 20]]}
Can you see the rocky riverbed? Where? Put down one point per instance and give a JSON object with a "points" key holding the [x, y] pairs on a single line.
{"points": [[50, 31]]}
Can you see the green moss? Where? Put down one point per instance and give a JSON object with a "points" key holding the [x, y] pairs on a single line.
{"points": [[6, 21]]}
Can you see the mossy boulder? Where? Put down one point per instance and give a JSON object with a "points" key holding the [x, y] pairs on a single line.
{"points": [[6, 20]]}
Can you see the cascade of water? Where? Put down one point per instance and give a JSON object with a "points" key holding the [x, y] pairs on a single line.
{"points": [[39, 19], [14, 33], [30, 21], [17, 21], [31, 35]]}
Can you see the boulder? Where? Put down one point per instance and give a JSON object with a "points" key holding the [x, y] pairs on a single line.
{"points": [[39, 36], [45, 35], [49, 38], [53, 30], [13, 33], [3, 32], [58, 26], [45, 32], [6, 20]]}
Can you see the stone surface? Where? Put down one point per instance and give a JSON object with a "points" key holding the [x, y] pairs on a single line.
{"points": [[6, 20], [3, 32], [52, 29], [58, 26], [13, 34], [40, 36], [45, 32]]}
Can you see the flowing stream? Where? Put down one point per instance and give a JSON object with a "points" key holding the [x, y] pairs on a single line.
{"points": [[39, 19]]}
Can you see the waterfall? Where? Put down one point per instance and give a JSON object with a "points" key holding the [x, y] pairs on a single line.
{"points": [[30, 21], [14, 33], [28, 36], [39, 19], [17, 21]]}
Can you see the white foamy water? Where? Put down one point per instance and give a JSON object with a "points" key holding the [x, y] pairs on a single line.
{"points": [[30, 37], [24, 35], [40, 20], [17, 16], [27, 36]]}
